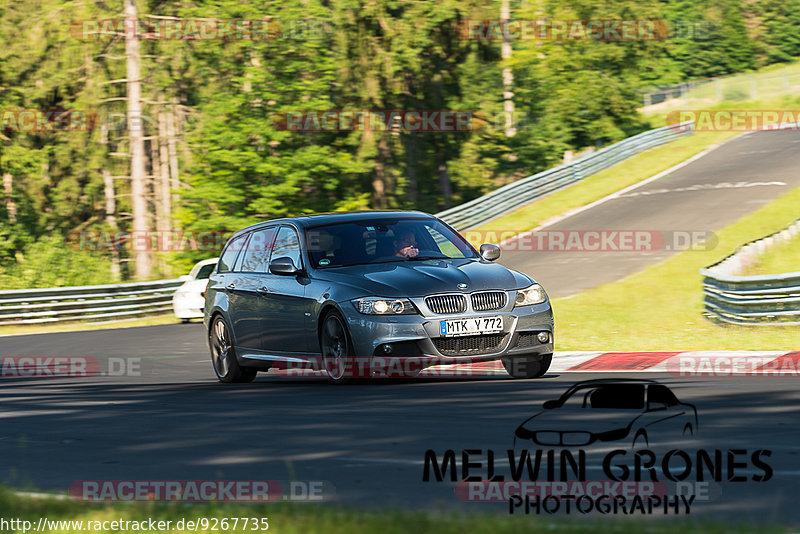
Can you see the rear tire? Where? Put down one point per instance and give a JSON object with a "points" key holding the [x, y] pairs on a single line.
{"points": [[223, 355], [528, 366]]}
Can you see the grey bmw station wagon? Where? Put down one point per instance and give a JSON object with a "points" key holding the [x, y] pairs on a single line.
{"points": [[369, 294]]}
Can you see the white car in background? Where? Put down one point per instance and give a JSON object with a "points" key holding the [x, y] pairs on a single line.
{"points": [[188, 300]]}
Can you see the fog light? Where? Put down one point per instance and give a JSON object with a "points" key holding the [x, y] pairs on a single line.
{"points": [[543, 337], [387, 349]]}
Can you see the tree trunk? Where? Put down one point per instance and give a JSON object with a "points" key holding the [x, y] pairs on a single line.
{"points": [[111, 220], [155, 179], [444, 182], [8, 191], [508, 75], [164, 180], [411, 167], [172, 150], [379, 175], [143, 257]]}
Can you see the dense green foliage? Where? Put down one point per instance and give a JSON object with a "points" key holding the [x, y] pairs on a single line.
{"points": [[238, 166]]}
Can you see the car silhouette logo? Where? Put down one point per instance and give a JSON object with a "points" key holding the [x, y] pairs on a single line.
{"points": [[642, 412], [462, 286]]}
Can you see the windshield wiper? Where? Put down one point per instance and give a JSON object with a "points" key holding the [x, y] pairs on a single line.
{"points": [[422, 258]]}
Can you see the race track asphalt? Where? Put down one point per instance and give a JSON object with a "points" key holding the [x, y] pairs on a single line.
{"points": [[155, 412], [169, 419], [704, 196]]}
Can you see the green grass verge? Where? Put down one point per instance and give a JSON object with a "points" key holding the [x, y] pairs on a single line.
{"points": [[768, 83], [167, 318], [597, 186], [310, 518], [782, 258], [660, 307]]}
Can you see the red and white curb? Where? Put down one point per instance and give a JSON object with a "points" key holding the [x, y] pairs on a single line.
{"points": [[675, 363]]}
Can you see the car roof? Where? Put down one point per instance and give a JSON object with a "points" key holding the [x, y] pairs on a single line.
{"points": [[607, 382], [612, 381], [309, 220], [207, 262]]}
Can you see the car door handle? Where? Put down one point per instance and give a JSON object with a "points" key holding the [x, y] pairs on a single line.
{"points": [[230, 287], [263, 290]]}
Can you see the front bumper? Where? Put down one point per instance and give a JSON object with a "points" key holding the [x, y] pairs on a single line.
{"points": [[419, 336]]}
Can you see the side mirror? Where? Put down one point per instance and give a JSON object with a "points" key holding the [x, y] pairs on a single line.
{"points": [[185, 278], [655, 406], [283, 265], [549, 405], [490, 252]]}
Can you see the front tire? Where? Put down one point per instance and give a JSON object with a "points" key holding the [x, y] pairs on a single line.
{"points": [[640, 440], [337, 349], [528, 366], [223, 355]]}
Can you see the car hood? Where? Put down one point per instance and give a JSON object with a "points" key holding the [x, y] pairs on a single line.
{"points": [[580, 420], [425, 277]]}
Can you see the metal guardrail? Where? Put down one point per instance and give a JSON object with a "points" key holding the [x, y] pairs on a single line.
{"points": [[117, 301], [509, 197], [104, 302], [753, 300], [771, 299]]}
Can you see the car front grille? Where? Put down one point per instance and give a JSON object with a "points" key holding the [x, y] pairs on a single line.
{"points": [[553, 438], [468, 345], [488, 300], [446, 303]]}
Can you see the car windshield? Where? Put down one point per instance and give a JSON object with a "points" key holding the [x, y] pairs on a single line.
{"points": [[609, 396], [380, 241]]}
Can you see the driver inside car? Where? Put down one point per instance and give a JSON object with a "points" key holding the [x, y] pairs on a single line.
{"points": [[405, 246]]}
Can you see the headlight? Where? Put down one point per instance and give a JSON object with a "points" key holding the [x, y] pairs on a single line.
{"points": [[381, 306], [530, 295]]}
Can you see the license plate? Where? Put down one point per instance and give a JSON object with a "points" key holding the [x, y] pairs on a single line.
{"points": [[471, 326]]}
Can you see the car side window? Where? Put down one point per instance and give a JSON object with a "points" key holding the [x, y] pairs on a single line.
{"points": [[255, 258], [287, 245], [228, 257], [661, 395], [237, 265], [205, 271], [618, 397]]}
